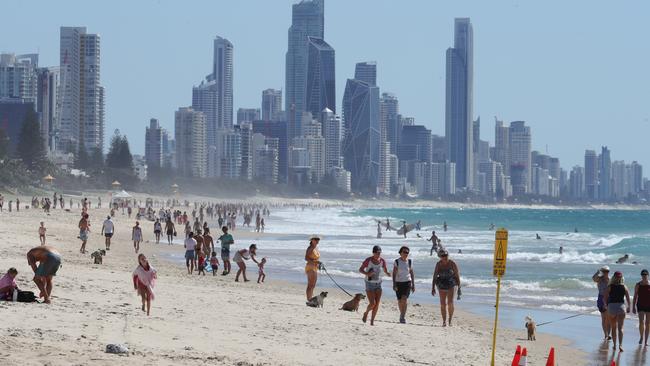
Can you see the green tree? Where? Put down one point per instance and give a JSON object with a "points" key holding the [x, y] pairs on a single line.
{"points": [[30, 143], [81, 159], [119, 155], [4, 144]]}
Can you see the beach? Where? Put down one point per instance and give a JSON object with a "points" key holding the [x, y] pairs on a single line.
{"points": [[214, 319]]}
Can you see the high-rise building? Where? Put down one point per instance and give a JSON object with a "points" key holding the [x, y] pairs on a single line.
{"points": [[439, 148], [307, 20], [459, 99], [266, 164], [367, 72], [362, 143], [278, 130], [153, 144], [591, 175], [415, 144], [321, 82], [228, 154], [13, 112], [271, 104], [82, 96], [204, 99], [18, 76], [502, 145], [577, 183], [620, 180], [247, 115], [443, 179], [222, 74], [246, 142], [636, 181], [520, 142], [312, 140], [605, 174], [390, 128], [49, 84], [191, 147], [332, 134]]}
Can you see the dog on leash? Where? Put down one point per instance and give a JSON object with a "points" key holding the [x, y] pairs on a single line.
{"points": [[317, 301], [97, 256], [353, 305], [531, 327]]}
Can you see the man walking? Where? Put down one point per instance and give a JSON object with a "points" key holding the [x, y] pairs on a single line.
{"points": [[108, 228]]}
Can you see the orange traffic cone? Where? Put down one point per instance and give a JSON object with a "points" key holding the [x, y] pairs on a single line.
{"points": [[523, 361], [551, 358], [515, 360]]}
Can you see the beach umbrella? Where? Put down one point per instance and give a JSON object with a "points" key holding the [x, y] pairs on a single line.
{"points": [[116, 185], [48, 178]]}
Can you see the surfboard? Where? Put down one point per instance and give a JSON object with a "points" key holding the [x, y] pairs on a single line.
{"points": [[409, 227]]}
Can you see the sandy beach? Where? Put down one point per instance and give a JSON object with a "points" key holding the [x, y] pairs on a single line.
{"points": [[196, 319]]}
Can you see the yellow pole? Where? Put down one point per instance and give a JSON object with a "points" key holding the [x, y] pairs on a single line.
{"points": [[496, 319]]}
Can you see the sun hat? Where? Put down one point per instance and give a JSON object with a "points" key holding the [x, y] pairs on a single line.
{"points": [[443, 253], [314, 236], [604, 269]]}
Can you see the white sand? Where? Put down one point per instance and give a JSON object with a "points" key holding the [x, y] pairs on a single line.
{"points": [[213, 319]]}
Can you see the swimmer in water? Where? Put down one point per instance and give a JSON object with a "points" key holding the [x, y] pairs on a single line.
{"points": [[561, 250], [623, 259], [538, 237]]}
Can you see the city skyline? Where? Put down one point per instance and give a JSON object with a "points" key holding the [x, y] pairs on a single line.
{"points": [[585, 84]]}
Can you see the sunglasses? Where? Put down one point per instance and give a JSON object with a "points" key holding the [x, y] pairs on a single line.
{"points": [[405, 252]]}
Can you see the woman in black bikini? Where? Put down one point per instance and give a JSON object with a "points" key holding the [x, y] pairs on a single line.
{"points": [[641, 305], [446, 276]]}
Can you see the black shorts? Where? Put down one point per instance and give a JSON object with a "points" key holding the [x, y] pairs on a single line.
{"points": [[108, 235], [403, 289]]}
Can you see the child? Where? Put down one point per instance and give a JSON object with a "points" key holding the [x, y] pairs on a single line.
{"points": [[144, 279], [8, 284], [41, 233], [201, 263], [262, 275], [214, 263]]}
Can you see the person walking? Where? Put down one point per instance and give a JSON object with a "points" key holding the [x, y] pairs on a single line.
{"points": [[602, 280], [136, 236], [312, 256], [403, 281], [108, 229], [616, 309], [641, 305], [371, 268], [170, 230], [190, 245], [157, 229], [446, 277], [84, 229], [144, 279]]}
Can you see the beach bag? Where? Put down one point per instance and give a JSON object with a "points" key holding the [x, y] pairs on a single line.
{"points": [[26, 296]]}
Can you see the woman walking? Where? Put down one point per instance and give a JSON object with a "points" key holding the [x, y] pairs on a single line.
{"points": [[641, 304], [403, 281], [602, 280], [157, 229], [372, 268], [616, 292], [446, 276], [136, 236], [144, 279], [312, 256]]}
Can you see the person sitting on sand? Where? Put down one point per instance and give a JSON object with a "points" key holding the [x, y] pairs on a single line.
{"points": [[8, 284], [446, 277], [41, 233], [49, 261], [240, 256], [144, 280]]}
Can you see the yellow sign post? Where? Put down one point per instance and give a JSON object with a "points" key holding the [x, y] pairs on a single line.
{"points": [[498, 269]]}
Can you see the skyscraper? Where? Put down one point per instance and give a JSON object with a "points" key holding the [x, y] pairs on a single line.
{"points": [[247, 115], [153, 144], [390, 128], [605, 174], [191, 147], [367, 72], [222, 74], [332, 134], [577, 183], [502, 145], [271, 104], [459, 99], [82, 96], [307, 20], [18, 76], [591, 175], [47, 106], [520, 157], [361, 146], [321, 84]]}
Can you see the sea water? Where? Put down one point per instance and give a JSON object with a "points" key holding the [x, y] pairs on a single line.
{"points": [[537, 274]]}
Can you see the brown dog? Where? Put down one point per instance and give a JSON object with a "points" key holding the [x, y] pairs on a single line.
{"points": [[353, 305], [531, 327]]}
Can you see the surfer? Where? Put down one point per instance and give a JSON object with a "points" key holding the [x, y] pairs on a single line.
{"points": [[538, 237], [418, 225], [435, 241], [404, 228], [561, 250], [378, 229], [623, 259], [444, 226], [387, 224]]}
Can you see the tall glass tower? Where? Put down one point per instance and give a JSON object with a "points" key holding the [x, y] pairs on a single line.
{"points": [[459, 96], [321, 83], [308, 20]]}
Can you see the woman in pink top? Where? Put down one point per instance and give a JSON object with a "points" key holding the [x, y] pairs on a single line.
{"points": [[144, 279]]}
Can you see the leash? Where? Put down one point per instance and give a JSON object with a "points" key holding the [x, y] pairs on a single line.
{"points": [[322, 266], [554, 321]]}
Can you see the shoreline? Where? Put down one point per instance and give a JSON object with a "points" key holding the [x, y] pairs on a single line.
{"points": [[204, 318]]}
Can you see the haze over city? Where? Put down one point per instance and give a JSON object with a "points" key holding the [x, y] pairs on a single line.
{"points": [[575, 72]]}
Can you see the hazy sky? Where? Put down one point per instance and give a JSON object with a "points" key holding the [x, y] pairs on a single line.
{"points": [[576, 71]]}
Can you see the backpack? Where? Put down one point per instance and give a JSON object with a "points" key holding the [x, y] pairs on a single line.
{"points": [[26, 296], [397, 263]]}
